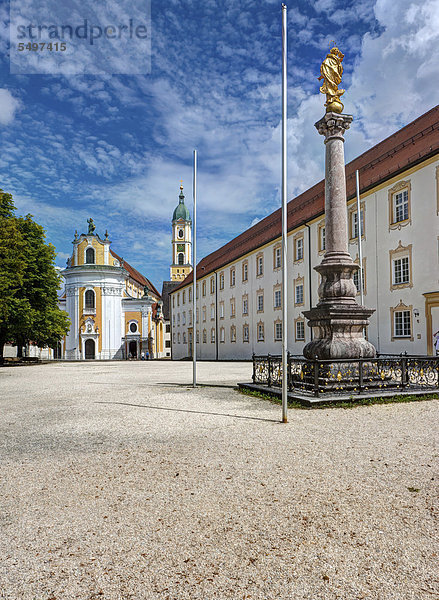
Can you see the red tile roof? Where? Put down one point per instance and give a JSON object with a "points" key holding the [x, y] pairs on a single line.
{"points": [[134, 274], [410, 145]]}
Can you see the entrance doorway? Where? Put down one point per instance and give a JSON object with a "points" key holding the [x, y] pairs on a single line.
{"points": [[90, 349], [132, 349]]}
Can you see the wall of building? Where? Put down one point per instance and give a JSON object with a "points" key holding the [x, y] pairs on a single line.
{"points": [[119, 302], [384, 242]]}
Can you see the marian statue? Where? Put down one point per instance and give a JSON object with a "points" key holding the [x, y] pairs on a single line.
{"points": [[331, 72], [91, 226]]}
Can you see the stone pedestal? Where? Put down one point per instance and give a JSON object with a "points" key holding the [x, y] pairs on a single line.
{"points": [[337, 321]]}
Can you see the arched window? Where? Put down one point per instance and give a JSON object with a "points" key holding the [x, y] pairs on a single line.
{"points": [[89, 299], [89, 256], [181, 259]]}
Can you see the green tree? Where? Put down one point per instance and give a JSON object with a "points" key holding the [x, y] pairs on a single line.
{"points": [[29, 309], [11, 268]]}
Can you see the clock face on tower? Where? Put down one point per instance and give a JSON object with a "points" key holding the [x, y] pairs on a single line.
{"points": [[180, 233]]}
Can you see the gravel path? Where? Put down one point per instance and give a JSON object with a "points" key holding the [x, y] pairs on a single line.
{"points": [[117, 481]]}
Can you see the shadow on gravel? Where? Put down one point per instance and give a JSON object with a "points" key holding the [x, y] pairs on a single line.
{"points": [[196, 412], [189, 386]]}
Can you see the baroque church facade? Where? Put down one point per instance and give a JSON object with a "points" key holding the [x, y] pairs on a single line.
{"points": [[115, 311]]}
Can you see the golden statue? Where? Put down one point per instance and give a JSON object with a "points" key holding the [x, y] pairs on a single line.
{"points": [[331, 72]]}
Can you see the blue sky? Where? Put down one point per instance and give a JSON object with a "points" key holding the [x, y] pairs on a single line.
{"points": [[114, 147]]}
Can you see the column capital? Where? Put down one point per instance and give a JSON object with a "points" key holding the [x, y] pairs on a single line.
{"points": [[333, 125]]}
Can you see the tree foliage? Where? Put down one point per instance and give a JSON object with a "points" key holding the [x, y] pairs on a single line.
{"points": [[28, 282]]}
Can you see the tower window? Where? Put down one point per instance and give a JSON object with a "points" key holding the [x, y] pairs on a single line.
{"points": [[89, 299], [90, 256], [181, 259], [180, 233]]}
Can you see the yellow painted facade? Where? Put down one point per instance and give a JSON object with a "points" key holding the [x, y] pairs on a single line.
{"points": [[180, 273], [98, 247], [133, 316]]}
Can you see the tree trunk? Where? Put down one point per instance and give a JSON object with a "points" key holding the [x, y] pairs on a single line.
{"points": [[2, 346], [20, 343]]}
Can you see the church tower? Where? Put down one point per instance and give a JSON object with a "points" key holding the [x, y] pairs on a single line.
{"points": [[181, 241]]}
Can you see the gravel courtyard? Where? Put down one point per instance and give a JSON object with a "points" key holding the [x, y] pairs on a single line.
{"points": [[119, 481]]}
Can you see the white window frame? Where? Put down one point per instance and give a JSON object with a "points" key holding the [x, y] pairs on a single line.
{"points": [[259, 266], [232, 277], [402, 318], [300, 324], [298, 301], [401, 270], [277, 257], [401, 205], [245, 271], [298, 249]]}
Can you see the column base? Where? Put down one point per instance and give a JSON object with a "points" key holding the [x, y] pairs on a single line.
{"points": [[338, 332]]}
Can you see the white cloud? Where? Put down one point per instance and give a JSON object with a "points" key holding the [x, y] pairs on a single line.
{"points": [[8, 106], [395, 79]]}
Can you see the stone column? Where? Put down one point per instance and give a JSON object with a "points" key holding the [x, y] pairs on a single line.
{"points": [[337, 321], [333, 126]]}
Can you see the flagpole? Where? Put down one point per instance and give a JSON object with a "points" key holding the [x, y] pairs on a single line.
{"points": [[284, 221], [194, 290], [359, 233]]}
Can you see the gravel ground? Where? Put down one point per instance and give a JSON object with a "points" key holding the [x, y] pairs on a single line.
{"points": [[119, 481]]}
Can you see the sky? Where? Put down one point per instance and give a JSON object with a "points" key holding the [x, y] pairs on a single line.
{"points": [[114, 145]]}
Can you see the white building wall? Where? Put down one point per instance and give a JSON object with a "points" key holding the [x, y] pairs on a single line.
{"points": [[72, 307], [111, 317], [421, 234]]}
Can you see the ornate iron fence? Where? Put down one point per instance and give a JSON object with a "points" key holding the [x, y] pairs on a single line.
{"points": [[317, 377]]}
